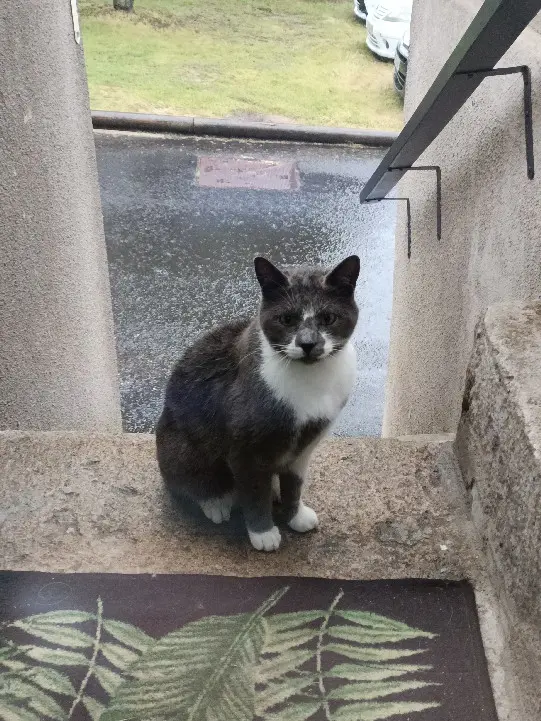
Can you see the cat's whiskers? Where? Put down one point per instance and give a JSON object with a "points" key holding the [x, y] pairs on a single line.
{"points": [[282, 351], [253, 352]]}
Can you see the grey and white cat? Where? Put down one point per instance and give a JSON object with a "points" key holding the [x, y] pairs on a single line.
{"points": [[249, 401]]}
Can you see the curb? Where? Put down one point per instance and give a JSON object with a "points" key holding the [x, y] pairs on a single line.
{"points": [[224, 128]]}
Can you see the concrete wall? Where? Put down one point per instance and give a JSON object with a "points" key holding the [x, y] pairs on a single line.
{"points": [[57, 354], [499, 450], [491, 245]]}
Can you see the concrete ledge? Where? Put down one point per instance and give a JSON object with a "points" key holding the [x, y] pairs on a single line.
{"points": [[499, 450], [73, 502], [226, 128]]}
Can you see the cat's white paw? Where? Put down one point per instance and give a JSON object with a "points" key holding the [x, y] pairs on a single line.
{"points": [[304, 520], [218, 509], [266, 541], [276, 491]]}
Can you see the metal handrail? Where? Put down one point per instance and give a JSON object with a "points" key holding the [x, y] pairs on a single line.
{"points": [[492, 32]]}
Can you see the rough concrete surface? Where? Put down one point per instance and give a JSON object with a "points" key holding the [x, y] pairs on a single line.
{"points": [[490, 249], [95, 503], [57, 354], [388, 509], [181, 255], [499, 449]]}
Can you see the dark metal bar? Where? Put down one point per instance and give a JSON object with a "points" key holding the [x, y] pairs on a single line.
{"points": [[408, 211], [437, 169], [524, 70], [491, 33], [528, 120]]}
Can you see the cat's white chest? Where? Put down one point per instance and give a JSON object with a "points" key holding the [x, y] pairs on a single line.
{"points": [[313, 392]]}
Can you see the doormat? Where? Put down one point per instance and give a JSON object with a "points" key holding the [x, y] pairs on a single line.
{"points": [[215, 648]]}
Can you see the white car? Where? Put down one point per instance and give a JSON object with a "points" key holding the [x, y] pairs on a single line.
{"points": [[385, 26], [361, 8]]}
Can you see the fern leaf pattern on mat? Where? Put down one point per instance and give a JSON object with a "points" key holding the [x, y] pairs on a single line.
{"points": [[36, 679], [295, 683], [202, 672], [317, 665]]}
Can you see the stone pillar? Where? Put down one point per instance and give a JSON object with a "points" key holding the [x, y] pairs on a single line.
{"points": [[57, 352]]}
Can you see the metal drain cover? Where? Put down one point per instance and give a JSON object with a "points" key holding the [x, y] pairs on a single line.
{"points": [[230, 172]]}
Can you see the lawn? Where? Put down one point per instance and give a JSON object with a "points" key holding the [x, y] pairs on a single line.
{"points": [[299, 60]]}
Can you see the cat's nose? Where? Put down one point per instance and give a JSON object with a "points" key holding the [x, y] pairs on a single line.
{"points": [[307, 340], [307, 347]]}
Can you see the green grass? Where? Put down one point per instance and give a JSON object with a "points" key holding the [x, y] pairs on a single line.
{"points": [[299, 60]]}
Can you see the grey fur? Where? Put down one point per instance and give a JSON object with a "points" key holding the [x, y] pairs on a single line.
{"points": [[222, 430]]}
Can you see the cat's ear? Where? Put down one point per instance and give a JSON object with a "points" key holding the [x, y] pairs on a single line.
{"points": [[344, 277], [270, 278]]}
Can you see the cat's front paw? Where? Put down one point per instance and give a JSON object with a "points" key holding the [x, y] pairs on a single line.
{"points": [[266, 541], [304, 520], [218, 509]]}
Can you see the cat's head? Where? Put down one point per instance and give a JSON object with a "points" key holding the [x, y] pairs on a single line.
{"points": [[308, 314]]}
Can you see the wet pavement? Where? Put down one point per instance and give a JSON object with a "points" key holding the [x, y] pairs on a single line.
{"points": [[180, 254]]}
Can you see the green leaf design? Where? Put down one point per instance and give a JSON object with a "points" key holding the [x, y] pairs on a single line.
{"points": [[304, 652], [109, 680], [360, 635], [278, 692], [287, 621], [94, 708], [60, 635], [27, 688], [12, 712], [369, 690], [14, 665], [51, 680], [277, 666], [58, 618], [17, 689], [366, 672], [56, 656], [8, 651], [280, 642], [375, 621], [128, 635], [208, 674], [119, 656], [377, 711], [280, 667], [371, 653]]}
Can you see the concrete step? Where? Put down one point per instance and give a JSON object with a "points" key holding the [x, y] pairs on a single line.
{"points": [[387, 509]]}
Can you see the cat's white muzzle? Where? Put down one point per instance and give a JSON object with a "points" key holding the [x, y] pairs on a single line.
{"points": [[296, 352]]}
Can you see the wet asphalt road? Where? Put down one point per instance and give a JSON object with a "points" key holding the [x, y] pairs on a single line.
{"points": [[180, 255]]}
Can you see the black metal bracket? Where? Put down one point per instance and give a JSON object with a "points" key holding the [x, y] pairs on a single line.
{"points": [[528, 119], [437, 170], [408, 211]]}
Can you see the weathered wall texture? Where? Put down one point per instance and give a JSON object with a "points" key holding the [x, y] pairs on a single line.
{"points": [[491, 245], [57, 355], [499, 451]]}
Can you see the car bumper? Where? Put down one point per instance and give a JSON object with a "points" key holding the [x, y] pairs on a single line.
{"points": [[400, 69], [360, 10], [383, 40]]}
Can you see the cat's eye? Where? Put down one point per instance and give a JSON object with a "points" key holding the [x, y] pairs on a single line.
{"points": [[327, 318], [287, 319]]}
